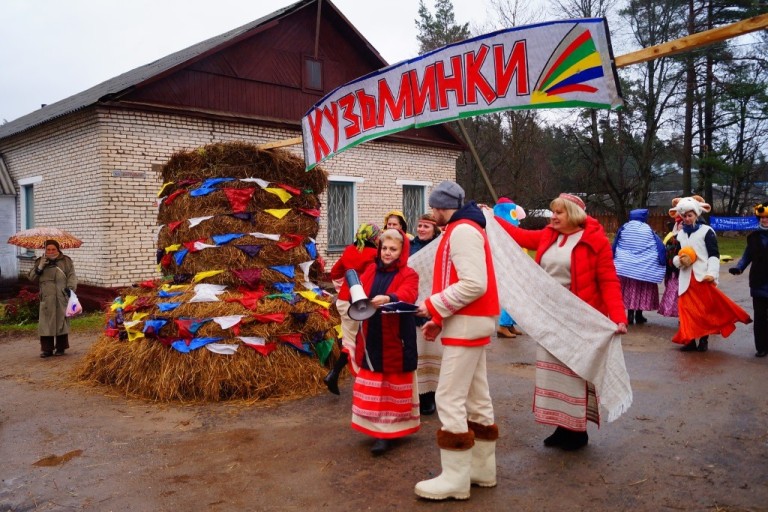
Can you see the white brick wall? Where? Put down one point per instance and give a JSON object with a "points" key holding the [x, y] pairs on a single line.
{"points": [[99, 183]]}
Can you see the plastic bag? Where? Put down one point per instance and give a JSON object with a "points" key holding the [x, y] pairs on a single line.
{"points": [[73, 305]]}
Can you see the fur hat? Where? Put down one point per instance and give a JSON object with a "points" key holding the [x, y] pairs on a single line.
{"points": [[761, 210], [447, 195], [695, 204]]}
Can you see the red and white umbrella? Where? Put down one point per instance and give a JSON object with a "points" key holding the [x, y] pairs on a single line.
{"points": [[35, 238]]}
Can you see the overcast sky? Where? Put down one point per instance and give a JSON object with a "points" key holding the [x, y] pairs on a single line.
{"points": [[52, 49]]}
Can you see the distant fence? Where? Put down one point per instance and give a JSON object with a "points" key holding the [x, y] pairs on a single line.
{"points": [[659, 221]]}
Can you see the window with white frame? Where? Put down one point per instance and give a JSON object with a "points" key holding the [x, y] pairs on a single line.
{"points": [[341, 212], [414, 202], [27, 205]]}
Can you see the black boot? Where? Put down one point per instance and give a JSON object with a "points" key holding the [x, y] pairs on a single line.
{"points": [[62, 344], [427, 403], [557, 438], [332, 379], [380, 446], [703, 344], [639, 318], [689, 347], [630, 316], [574, 440]]}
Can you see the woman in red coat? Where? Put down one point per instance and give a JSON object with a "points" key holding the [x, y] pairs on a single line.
{"points": [[575, 251], [357, 256], [385, 401]]}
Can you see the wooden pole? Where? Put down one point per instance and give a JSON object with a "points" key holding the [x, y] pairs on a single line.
{"points": [[317, 29], [477, 160], [694, 41], [280, 143]]}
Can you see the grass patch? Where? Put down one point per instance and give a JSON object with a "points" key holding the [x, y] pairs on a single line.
{"points": [[732, 246], [85, 322]]}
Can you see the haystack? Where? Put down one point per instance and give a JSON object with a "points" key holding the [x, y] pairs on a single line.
{"points": [[236, 312]]}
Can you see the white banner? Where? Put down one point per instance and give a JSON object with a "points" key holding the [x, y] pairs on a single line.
{"points": [[548, 65]]}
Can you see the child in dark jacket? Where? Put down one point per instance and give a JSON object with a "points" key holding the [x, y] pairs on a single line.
{"points": [[756, 253]]}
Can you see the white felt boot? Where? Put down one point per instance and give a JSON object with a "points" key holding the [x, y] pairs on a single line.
{"points": [[483, 471], [453, 482]]}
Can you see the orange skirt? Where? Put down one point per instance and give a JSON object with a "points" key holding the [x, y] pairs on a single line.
{"points": [[705, 310]]}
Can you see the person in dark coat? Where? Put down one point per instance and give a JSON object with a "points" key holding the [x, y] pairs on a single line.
{"points": [[426, 232], [385, 402], [756, 253], [55, 274]]}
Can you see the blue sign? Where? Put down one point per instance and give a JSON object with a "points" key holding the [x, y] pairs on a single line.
{"points": [[733, 223]]}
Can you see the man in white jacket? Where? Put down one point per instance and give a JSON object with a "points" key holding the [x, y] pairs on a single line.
{"points": [[462, 309]]}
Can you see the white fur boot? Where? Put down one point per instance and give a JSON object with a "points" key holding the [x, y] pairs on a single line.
{"points": [[483, 471], [453, 482]]}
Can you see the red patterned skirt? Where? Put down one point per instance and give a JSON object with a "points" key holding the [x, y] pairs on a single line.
{"points": [[385, 405]]}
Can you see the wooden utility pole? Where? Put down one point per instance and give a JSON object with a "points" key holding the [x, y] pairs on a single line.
{"points": [[694, 41]]}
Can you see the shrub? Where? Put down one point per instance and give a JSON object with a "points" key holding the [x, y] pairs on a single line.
{"points": [[22, 309]]}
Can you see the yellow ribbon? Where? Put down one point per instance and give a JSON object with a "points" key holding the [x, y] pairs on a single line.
{"points": [[278, 213], [174, 287], [132, 331], [139, 316], [172, 248], [202, 275], [165, 185], [283, 194], [312, 297]]}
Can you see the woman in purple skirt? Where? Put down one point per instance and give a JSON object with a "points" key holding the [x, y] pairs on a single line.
{"points": [[668, 304], [640, 260]]}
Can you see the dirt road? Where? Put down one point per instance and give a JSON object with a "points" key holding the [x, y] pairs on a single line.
{"points": [[695, 439]]}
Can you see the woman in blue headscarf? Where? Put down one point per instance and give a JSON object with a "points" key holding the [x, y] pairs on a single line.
{"points": [[640, 259]]}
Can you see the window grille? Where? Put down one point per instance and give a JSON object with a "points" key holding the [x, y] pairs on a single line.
{"points": [[341, 215], [413, 205]]}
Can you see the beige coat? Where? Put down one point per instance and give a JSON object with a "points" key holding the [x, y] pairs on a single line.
{"points": [[53, 297]]}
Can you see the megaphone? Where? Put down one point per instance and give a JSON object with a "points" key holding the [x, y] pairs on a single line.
{"points": [[361, 308]]}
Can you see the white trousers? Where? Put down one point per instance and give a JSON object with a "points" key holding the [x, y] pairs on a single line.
{"points": [[462, 390]]}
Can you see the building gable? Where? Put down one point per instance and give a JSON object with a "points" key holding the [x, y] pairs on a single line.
{"points": [[253, 72]]}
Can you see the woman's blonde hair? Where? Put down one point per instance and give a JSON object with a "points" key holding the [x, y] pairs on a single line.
{"points": [[391, 234], [576, 216]]}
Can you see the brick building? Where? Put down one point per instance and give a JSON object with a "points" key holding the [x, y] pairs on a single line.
{"points": [[90, 163]]}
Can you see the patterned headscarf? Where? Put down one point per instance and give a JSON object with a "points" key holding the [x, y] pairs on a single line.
{"points": [[366, 233]]}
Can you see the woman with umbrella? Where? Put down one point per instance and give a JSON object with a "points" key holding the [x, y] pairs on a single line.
{"points": [[55, 274]]}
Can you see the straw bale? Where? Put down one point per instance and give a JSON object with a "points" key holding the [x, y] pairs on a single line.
{"points": [[185, 206], [147, 368], [153, 371], [212, 258], [226, 224], [293, 222], [244, 160], [239, 261]]}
